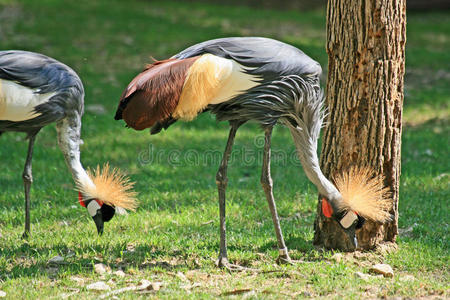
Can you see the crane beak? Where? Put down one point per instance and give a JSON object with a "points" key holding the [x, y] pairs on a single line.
{"points": [[98, 220], [95, 210], [350, 222], [351, 234]]}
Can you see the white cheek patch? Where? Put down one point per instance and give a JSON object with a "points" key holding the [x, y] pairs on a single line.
{"points": [[348, 219], [93, 207]]}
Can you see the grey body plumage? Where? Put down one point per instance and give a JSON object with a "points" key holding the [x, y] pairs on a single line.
{"points": [[44, 75], [268, 58]]}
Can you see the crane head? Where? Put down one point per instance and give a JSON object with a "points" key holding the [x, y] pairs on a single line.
{"points": [[348, 220], [362, 195], [98, 210], [107, 190]]}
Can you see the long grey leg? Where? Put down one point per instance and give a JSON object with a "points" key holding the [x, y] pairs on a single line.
{"points": [[27, 177], [267, 184], [221, 181]]}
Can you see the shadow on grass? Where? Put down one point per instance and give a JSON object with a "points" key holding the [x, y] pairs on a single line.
{"points": [[143, 257]]}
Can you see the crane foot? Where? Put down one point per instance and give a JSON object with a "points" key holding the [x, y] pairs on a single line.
{"points": [[222, 262], [25, 235], [284, 260]]}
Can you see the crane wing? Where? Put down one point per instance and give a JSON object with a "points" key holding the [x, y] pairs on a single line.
{"points": [[263, 57], [36, 90]]}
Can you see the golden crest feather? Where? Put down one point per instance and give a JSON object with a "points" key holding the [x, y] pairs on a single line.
{"points": [[364, 193], [111, 186]]}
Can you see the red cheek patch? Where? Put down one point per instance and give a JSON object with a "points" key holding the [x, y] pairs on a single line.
{"points": [[327, 210], [80, 199]]}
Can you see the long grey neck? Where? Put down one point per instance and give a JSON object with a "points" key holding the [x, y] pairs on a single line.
{"points": [[307, 153], [69, 130], [304, 120]]}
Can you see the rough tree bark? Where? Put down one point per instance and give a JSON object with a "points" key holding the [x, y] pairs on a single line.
{"points": [[366, 63]]}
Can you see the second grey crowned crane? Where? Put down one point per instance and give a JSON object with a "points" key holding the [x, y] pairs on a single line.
{"points": [[36, 90], [242, 79]]}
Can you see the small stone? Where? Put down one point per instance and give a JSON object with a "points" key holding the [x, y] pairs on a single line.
{"points": [[56, 260], [407, 278], [362, 276], [98, 286], [119, 273], [100, 268], [2, 294], [384, 269]]}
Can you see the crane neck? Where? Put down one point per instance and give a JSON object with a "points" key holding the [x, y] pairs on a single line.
{"points": [[307, 153], [69, 130]]}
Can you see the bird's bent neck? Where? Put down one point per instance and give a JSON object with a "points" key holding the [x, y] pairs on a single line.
{"points": [[69, 141]]}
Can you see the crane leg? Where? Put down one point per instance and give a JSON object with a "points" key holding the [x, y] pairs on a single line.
{"points": [[27, 177], [221, 181], [267, 185]]}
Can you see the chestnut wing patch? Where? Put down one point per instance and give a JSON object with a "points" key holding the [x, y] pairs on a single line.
{"points": [[153, 95]]}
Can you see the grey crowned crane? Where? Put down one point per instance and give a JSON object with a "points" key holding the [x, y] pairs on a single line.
{"points": [[36, 90], [244, 79]]}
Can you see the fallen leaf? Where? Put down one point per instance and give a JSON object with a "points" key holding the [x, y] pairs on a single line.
{"points": [[384, 269], [144, 284], [191, 286], [149, 286], [115, 292], [236, 292], [98, 286]]}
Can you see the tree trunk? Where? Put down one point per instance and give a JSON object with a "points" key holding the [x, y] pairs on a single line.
{"points": [[366, 52]]}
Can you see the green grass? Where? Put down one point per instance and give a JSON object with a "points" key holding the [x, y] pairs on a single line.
{"points": [[175, 228]]}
